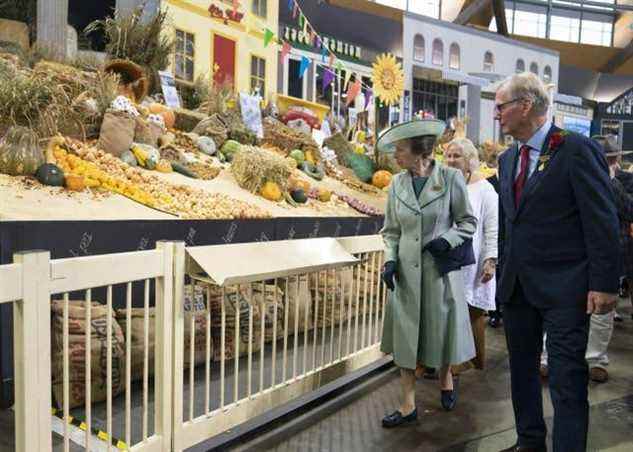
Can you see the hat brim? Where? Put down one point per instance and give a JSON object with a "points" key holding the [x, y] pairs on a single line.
{"points": [[386, 143], [617, 153]]}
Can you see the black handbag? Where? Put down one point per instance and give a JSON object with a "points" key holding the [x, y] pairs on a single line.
{"points": [[455, 258]]}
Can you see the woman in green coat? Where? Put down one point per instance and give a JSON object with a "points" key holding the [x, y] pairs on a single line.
{"points": [[428, 214]]}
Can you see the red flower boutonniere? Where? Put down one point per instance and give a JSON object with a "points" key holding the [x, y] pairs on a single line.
{"points": [[556, 140]]}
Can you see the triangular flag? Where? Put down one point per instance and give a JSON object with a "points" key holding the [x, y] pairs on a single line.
{"points": [[305, 63], [339, 66], [302, 20], [291, 4], [318, 41], [353, 91], [295, 10], [368, 95], [268, 36], [348, 75], [328, 76], [285, 50]]}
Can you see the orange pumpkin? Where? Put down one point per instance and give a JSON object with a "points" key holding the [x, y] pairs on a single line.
{"points": [[156, 108], [75, 182], [381, 179], [296, 182], [170, 118]]}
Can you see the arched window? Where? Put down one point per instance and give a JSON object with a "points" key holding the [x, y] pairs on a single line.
{"points": [[520, 66], [547, 74], [454, 56], [534, 68], [438, 52], [489, 62], [418, 48]]}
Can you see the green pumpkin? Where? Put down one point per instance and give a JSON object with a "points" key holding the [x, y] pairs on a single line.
{"points": [[299, 196], [229, 148], [49, 174], [20, 154], [129, 158], [298, 155]]}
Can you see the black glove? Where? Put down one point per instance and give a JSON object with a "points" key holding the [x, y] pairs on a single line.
{"points": [[437, 246], [389, 273]]}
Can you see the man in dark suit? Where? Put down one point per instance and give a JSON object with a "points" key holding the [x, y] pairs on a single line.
{"points": [[560, 261]]}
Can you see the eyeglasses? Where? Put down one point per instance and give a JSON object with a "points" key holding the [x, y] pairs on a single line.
{"points": [[499, 107]]}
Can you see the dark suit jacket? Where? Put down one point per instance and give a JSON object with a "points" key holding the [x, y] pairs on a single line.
{"points": [[626, 179], [562, 239]]}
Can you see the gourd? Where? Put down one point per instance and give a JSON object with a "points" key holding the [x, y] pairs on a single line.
{"points": [[50, 174], [381, 179], [129, 158], [271, 191], [75, 183], [20, 154], [177, 167], [298, 155], [311, 170], [298, 195], [296, 183], [324, 195], [229, 148], [167, 113]]}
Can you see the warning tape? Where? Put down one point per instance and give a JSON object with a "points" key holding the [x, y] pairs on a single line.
{"points": [[103, 436]]}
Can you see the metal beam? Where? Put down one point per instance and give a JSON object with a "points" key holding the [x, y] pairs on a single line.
{"points": [[471, 10], [499, 11], [618, 59]]}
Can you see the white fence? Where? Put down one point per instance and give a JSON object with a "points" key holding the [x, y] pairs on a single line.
{"points": [[231, 332]]}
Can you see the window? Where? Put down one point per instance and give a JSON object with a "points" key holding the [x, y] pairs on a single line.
{"points": [[596, 32], [260, 8], [438, 52], [534, 68], [258, 76], [184, 57], [418, 48], [454, 56], [530, 23], [509, 20], [429, 8], [520, 66], [564, 26], [547, 74], [489, 62]]}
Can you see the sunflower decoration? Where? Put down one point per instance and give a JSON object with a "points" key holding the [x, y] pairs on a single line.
{"points": [[388, 79]]}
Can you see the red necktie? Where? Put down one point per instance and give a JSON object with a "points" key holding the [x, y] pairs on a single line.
{"points": [[519, 183]]}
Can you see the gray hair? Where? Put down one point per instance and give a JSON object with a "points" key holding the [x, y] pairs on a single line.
{"points": [[469, 151], [528, 86]]}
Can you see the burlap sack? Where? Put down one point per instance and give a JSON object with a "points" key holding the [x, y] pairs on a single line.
{"points": [[364, 276], [334, 295], [137, 338], [146, 132], [298, 298], [77, 353], [117, 133]]}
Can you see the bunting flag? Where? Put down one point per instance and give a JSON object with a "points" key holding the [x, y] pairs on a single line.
{"points": [[328, 77], [295, 10], [268, 36], [339, 66], [305, 63], [348, 75], [291, 5], [285, 50], [353, 91], [318, 42], [302, 20], [368, 95]]}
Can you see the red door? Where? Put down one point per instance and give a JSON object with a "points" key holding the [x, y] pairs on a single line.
{"points": [[223, 60]]}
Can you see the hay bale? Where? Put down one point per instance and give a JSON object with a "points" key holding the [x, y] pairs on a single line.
{"points": [[277, 134], [213, 127], [340, 146], [187, 120], [253, 166]]}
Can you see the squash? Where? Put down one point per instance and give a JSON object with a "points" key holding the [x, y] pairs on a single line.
{"points": [[298, 155], [20, 154], [177, 167], [324, 195], [381, 179], [298, 195], [75, 183], [296, 183], [157, 109], [271, 191], [309, 157], [163, 166], [229, 148], [129, 158], [50, 174], [315, 172], [167, 113]]}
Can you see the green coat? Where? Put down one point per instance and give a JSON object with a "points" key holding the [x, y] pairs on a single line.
{"points": [[426, 317]]}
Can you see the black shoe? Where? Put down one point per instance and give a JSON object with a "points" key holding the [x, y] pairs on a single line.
{"points": [[516, 448], [449, 398], [396, 418], [430, 373]]}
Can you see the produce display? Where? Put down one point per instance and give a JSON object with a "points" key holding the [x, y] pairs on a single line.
{"points": [[254, 167], [280, 135], [20, 154]]}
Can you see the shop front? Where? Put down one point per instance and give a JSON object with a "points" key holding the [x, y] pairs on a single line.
{"points": [[616, 118], [218, 41], [573, 113]]}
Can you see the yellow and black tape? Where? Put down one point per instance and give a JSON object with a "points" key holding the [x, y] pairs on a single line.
{"points": [[103, 436]]}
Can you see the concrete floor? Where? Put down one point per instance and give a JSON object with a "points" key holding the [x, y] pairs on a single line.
{"points": [[482, 421]]}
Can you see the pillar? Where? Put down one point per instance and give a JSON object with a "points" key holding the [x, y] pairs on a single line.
{"points": [[52, 22]]}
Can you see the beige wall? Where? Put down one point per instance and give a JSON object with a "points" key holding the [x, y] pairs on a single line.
{"points": [[13, 31]]}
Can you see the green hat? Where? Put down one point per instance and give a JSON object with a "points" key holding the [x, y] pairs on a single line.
{"points": [[416, 128]]}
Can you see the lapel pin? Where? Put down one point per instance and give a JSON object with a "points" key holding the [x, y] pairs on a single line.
{"points": [[543, 158], [436, 187], [541, 166]]}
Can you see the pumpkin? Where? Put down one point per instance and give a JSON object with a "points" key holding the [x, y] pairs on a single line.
{"points": [[129, 158], [298, 195], [298, 155], [229, 148], [381, 179], [157, 109], [50, 174], [309, 157], [324, 195], [75, 183], [20, 154], [167, 113], [296, 183], [315, 172], [271, 191]]}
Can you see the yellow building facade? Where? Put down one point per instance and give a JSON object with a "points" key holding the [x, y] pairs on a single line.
{"points": [[216, 40]]}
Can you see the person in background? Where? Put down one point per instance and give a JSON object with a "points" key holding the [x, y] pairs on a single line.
{"points": [[561, 237], [428, 219], [479, 278], [601, 325]]}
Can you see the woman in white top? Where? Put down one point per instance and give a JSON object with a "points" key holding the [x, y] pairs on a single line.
{"points": [[479, 278]]}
